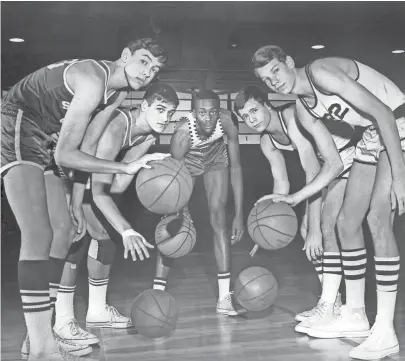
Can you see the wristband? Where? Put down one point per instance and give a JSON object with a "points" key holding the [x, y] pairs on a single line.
{"points": [[129, 232]]}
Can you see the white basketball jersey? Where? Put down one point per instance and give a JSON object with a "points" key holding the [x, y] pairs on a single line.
{"points": [[333, 107], [196, 140]]}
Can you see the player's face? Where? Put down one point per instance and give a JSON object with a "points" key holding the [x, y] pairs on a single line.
{"points": [[141, 68], [207, 113], [159, 114], [278, 76], [255, 115]]}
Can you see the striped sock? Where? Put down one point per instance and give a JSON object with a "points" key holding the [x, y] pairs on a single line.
{"points": [[354, 268], [159, 284], [387, 274], [318, 268], [64, 306], [97, 294], [332, 276], [224, 283], [55, 274], [33, 280]]}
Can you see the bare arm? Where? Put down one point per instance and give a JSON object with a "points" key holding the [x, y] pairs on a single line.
{"points": [[333, 79], [281, 184], [180, 142]]}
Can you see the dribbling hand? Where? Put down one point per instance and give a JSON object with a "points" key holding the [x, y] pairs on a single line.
{"points": [[79, 221], [135, 166], [313, 246], [254, 250], [135, 243], [398, 195], [291, 199]]}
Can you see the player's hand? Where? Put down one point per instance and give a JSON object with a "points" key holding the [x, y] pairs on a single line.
{"points": [[398, 195], [254, 250], [79, 221], [313, 246], [238, 229], [291, 199], [143, 162], [136, 244]]}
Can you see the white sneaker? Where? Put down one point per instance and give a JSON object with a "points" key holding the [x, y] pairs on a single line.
{"points": [[381, 343], [347, 324], [108, 318], [323, 312], [302, 316], [71, 348], [72, 332], [225, 306]]}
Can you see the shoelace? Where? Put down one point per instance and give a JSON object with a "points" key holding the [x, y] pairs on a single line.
{"points": [[76, 329], [113, 311], [320, 309]]}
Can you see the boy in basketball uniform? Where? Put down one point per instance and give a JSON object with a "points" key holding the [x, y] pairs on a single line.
{"points": [[199, 141], [56, 102], [280, 132], [344, 90], [130, 132]]}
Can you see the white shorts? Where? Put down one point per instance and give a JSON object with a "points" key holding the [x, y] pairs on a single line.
{"points": [[370, 146], [347, 156]]}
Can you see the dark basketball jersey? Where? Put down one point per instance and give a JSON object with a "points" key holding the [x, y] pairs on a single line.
{"points": [[46, 95]]}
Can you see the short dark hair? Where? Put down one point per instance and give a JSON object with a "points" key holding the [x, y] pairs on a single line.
{"points": [[266, 54], [205, 95], [247, 93], [151, 45], [161, 92]]}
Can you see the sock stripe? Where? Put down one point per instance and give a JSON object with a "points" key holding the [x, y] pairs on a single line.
{"points": [[389, 259], [332, 263], [222, 276], [318, 266], [96, 283], [354, 264], [387, 273], [387, 265], [159, 282]]}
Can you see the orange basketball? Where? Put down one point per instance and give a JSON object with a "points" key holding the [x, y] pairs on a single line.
{"points": [[166, 187], [272, 225]]}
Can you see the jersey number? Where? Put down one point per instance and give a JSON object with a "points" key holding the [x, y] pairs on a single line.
{"points": [[52, 66], [335, 112]]}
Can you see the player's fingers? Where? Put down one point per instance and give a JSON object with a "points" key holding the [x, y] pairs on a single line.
{"points": [[308, 253], [126, 250], [136, 249], [133, 252], [146, 243], [393, 199], [254, 250], [401, 206], [143, 249]]}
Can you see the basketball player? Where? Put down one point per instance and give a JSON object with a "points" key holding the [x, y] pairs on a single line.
{"points": [[59, 98], [345, 90], [130, 131], [199, 141], [280, 132]]}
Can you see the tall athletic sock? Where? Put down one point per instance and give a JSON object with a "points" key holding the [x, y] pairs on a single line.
{"points": [[64, 305], [33, 280], [387, 274], [159, 283], [97, 294], [332, 276], [318, 268], [55, 274], [354, 268], [224, 284]]}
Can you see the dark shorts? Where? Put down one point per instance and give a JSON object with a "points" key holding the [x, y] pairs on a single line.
{"points": [[22, 141], [208, 159]]}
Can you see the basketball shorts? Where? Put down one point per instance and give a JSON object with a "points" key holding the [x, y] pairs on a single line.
{"points": [[22, 140], [371, 145], [208, 159]]}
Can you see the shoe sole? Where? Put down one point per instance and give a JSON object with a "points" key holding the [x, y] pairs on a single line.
{"points": [[376, 356], [351, 334], [301, 329], [299, 318], [108, 325], [81, 352]]}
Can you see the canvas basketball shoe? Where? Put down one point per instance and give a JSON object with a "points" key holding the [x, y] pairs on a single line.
{"points": [[72, 332], [302, 316], [68, 347], [107, 318], [225, 306], [323, 312], [347, 324], [381, 342]]}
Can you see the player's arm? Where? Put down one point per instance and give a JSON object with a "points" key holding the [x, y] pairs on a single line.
{"points": [[281, 184], [332, 162], [89, 91], [333, 79], [180, 142], [122, 181], [230, 124]]}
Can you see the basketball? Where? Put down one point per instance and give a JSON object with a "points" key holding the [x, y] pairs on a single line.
{"points": [[154, 313], [256, 288], [166, 187], [179, 245], [272, 225]]}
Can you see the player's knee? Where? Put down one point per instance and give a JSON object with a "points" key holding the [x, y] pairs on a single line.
{"points": [[62, 238], [102, 251], [36, 243], [347, 225], [217, 216], [328, 227], [78, 249], [379, 217]]}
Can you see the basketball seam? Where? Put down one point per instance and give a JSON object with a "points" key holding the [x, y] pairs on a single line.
{"points": [[152, 316], [251, 281], [273, 229], [263, 294]]}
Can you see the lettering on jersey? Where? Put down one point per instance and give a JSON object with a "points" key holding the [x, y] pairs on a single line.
{"points": [[335, 112], [65, 104]]}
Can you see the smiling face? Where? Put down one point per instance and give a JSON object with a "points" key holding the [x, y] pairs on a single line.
{"points": [[140, 68], [207, 113], [279, 76], [255, 115]]}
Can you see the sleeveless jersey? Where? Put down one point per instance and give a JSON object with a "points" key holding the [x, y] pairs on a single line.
{"points": [[196, 141], [46, 95], [333, 107], [130, 140]]}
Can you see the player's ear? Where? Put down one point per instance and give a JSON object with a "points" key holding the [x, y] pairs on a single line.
{"points": [[126, 55], [144, 105], [290, 62]]}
